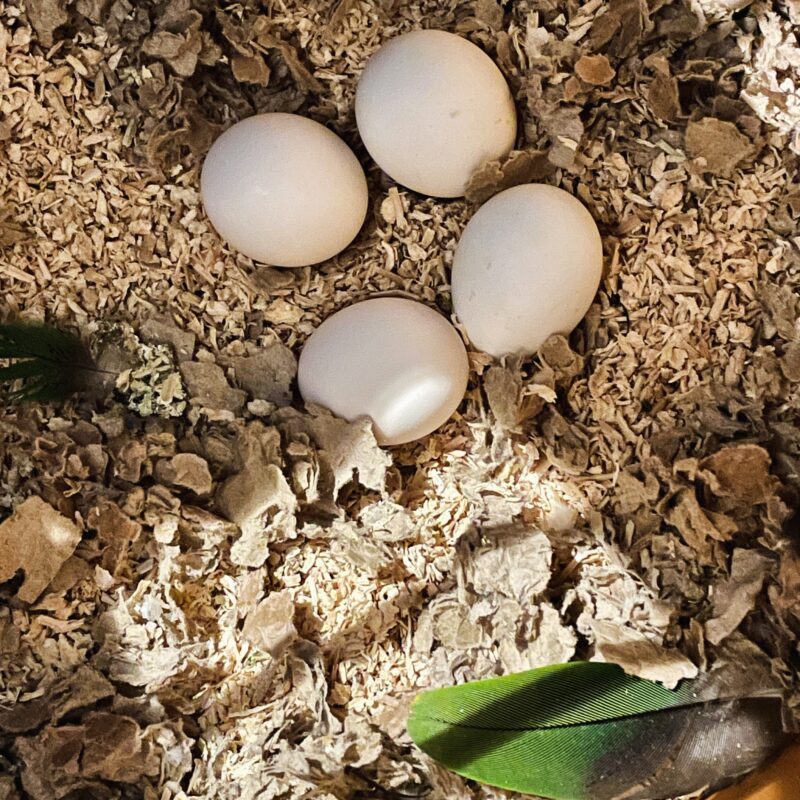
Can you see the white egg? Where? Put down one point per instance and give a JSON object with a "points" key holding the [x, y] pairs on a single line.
{"points": [[394, 360], [527, 266], [431, 108], [284, 190]]}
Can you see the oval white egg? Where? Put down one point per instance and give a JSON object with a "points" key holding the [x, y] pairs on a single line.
{"points": [[284, 190], [527, 266], [394, 360], [431, 108]]}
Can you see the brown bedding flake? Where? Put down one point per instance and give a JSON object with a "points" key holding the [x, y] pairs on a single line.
{"points": [[258, 498], [595, 70], [790, 362], [63, 760], [511, 401], [489, 12], [640, 656], [270, 625], [520, 166], [735, 597], [720, 144], [38, 540], [177, 40], [789, 581], [695, 526], [161, 330], [782, 309], [46, 16], [741, 474], [208, 387], [186, 470], [81, 689], [72, 571], [620, 29], [557, 356], [662, 94], [116, 532], [565, 129], [349, 449], [250, 69], [179, 50], [268, 374], [304, 78]]}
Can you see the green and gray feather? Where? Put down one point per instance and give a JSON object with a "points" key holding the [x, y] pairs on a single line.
{"points": [[588, 731]]}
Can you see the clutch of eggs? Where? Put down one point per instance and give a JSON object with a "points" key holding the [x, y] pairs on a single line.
{"points": [[284, 190], [393, 360], [527, 266], [432, 107]]}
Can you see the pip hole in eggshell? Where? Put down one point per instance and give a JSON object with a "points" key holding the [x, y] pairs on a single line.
{"points": [[431, 108], [284, 190], [394, 360], [527, 266]]}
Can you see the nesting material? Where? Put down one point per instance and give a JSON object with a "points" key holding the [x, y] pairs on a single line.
{"points": [[258, 590]]}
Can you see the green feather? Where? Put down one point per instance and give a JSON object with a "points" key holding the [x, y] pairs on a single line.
{"points": [[46, 363], [588, 731]]}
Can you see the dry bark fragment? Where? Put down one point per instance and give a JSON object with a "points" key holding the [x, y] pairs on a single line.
{"points": [[489, 12], [81, 689], [510, 404], [620, 29], [696, 526], [790, 362], [258, 498], [565, 129], [161, 330]]}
